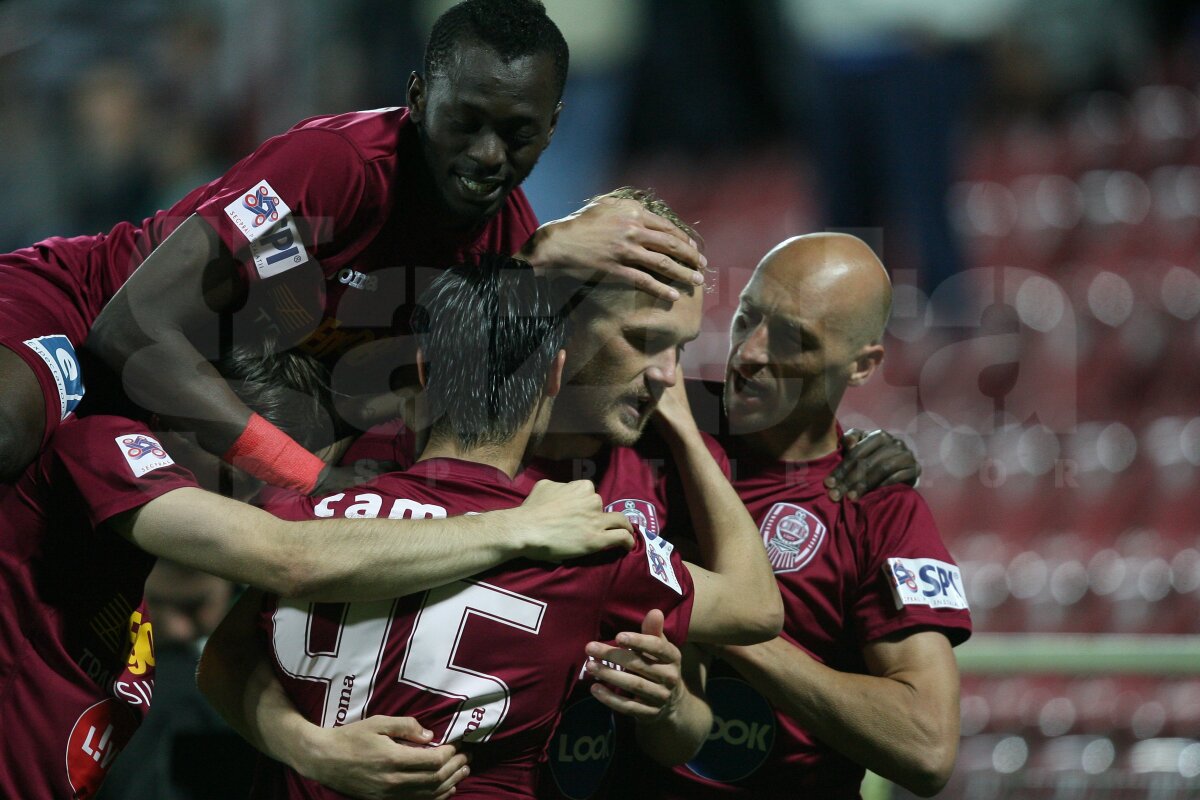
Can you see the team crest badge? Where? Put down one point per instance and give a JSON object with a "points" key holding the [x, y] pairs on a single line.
{"points": [[792, 536], [639, 512]]}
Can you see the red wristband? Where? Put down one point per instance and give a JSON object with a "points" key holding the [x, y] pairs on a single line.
{"points": [[271, 455]]}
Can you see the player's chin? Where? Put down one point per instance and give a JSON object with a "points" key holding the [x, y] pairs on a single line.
{"points": [[624, 430], [743, 420], [468, 213]]}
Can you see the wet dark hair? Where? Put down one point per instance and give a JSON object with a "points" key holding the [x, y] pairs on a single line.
{"points": [[488, 335], [513, 28], [288, 389]]}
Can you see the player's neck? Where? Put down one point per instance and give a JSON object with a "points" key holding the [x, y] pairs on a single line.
{"points": [[794, 439], [561, 446], [504, 456]]}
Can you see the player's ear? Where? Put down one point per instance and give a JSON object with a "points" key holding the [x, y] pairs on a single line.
{"points": [[554, 122], [555, 374], [421, 378], [416, 97], [865, 364]]}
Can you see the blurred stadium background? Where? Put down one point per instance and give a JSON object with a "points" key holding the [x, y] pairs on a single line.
{"points": [[1029, 169]]}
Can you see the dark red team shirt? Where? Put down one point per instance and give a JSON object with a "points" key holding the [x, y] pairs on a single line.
{"points": [[76, 646], [349, 180], [639, 482], [338, 242], [510, 640], [850, 573]]}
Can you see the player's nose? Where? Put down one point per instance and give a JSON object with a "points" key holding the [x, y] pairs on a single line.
{"points": [[752, 348]]}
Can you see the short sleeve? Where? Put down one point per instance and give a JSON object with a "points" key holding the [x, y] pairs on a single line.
{"points": [[651, 575], [116, 464], [909, 579], [289, 202]]}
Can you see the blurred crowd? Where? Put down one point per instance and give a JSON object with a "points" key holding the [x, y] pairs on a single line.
{"points": [[1028, 169], [112, 111]]}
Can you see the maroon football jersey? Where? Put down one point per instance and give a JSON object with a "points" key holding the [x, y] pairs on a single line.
{"points": [[639, 482], [850, 573], [485, 660], [337, 190], [332, 230], [76, 646]]}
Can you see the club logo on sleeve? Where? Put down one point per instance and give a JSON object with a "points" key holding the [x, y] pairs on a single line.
{"points": [[58, 353], [257, 211], [142, 453], [925, 582], [658, 556], [641, 513], [791, 535]]}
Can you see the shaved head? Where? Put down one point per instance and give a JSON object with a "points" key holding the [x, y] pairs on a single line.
{"points": [[809, 325], [844, 272]]}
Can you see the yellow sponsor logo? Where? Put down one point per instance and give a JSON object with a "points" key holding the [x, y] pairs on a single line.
{"points": [[141, 644]]}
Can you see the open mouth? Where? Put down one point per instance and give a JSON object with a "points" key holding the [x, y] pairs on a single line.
{"points": [[746, 388], [483, 190]]}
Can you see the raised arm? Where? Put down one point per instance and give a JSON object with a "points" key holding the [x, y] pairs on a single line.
{"points": [[621, 238], [368, 559], [870, 718], [736, 598], [142, 334], [365, 759], [148, 334]]}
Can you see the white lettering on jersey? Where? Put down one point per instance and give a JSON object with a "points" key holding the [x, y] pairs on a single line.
{"points": [[658, 556], [925, 582], [142, 453], [430, 658], [358, 280], [411, 509], [324, 509], [256, 212], [348, 672], [367, 505]]}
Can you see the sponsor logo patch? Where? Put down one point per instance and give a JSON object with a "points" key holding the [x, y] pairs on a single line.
{"points": [[257, 211], [582, 748], [792, 536], [742, 734], [60, 358], [142, 453], [279, 250], [100, 733], [639, 512], [925, 582]]}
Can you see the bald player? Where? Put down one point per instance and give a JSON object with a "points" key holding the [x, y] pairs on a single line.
{"points": [[863, 675]]}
